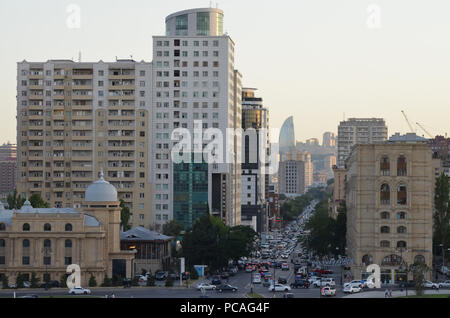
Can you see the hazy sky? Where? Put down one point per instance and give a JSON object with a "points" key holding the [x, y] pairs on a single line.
{"points": [[313, 59]]}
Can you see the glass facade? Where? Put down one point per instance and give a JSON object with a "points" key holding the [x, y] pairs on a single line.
{"points": [[219, 24], [181, 25], [203, 24], [190, 197], [287, 136], [168, 28]]}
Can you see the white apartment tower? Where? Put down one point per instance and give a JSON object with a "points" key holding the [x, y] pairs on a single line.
{"points": [[359, 131], [195, 87]]}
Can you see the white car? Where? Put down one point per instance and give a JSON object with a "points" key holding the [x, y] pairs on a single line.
{"points": [[205, 286], [351, 289], [312, 279], [324, 282], [355, 283], [328, 291], [428, 284], [445, 284], [79, 291], [256, 279], [279, 287]]}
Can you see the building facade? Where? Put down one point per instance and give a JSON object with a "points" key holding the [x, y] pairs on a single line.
{"points": [[389, 198], [8, 169], [359, 131], [46, 241], [195, 88], [329, 140], [287, 136], [75, 119]]}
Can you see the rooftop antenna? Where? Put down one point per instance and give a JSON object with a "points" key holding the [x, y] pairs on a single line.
{"points": [[131, 56]]}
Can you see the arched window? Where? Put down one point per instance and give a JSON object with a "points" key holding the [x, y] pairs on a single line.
{"points": [[385, 215], [26, 243], [385, 244], [385, 194], [2, 227], [419, 259], [47, 243], [392, 260], [2, 243], [401, 229], [401, 215], [26, 227], [385, 229], [68, 243], [401, 166], [68, 252], [401, 244], [401, 194], [367, 259], [68, 227], [47, 227], [385, 166]]}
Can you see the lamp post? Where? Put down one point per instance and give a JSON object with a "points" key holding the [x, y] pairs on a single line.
{"points": [[46, 250]]}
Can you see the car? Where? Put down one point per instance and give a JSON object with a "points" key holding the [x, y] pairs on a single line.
{"points": [[222, 288], [249, 269], [368, 283], [324, 282], [161, 275], [348, 288], [279, 287], [225, 275], [285, 266], [282, 280], [26, 284], [256, 279], [79, 291], [300, 283], [216, 281], [356, 283], [445, 284], [50, 284], [30, 296], [428, 284], [328, 291], [205, 286]]}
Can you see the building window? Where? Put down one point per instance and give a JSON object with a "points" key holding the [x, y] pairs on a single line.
{"points": [[25, 260], [401, 229], [26, 243], [419, 259], [2, 227], [401, 166], [68, 227], [385, 167], [385, 194], [367, 259], [401, 215], [26, 227], [47, 227], [67, 243], [385, 215], [385, 244], [401, 194], [47, 243], [401, 244], [385, 229], [2, 243], [47, 260], [67, 260]]}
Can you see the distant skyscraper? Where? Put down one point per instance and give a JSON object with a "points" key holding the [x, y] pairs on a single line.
{"points": [[8, 168], [329, 139], [295, 173], [359, 131], [287, 136]]}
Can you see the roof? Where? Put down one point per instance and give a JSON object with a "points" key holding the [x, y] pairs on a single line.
{"points": [[409, 137], [101, 191], [142, 234]]}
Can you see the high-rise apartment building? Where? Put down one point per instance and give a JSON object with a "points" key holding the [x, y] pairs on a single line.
{"points": [[255, 180], [329, 140], [76, 119], [359, 131], [196, 88], [8, 151], [389, 198], [8, 168]]}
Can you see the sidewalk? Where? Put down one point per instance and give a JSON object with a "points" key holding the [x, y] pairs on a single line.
{"points": [[395, 293]]}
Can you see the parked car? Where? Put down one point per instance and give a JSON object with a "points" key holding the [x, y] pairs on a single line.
{"points": [[282, 280], [445, 284], [216, 281], [285, 266], [356, 283], [348, 288], [225, 275], [300, 283], [328, 291], [30, 296], [324, 282], [50, 284], [428, 284], [279, 287], [222, 288], [79, 291], [205, 286], [161, 275]]}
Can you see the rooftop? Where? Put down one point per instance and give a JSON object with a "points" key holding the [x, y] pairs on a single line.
{"points": [[142, 234]]}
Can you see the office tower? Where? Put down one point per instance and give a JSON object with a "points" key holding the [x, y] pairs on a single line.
{"points": [[76, 119], [287, 136], [389, 198], [8, 169], [255, 180], [359, 131], [295, 173], [329, 140], [196, 87]]}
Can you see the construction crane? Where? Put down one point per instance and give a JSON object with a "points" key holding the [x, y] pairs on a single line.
{"points": [[409, 124], [429, 135]]}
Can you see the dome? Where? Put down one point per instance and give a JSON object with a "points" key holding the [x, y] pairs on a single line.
{"points": [[101, 191], [27, 207]]}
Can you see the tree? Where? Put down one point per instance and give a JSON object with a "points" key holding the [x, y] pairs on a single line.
{"points": [[15, 201], [169, 282], [124, 216], [37, 201], [63, 281], [4, 280], [442, 211], [193, 274], [135, 281], [322, 227], [107, 282], [92, 281], [19, 281], [34, 282], [172, 228], [419, 270], [151, 281]]}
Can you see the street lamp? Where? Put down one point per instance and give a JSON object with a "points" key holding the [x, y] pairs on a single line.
{"points": [[46, 250]]}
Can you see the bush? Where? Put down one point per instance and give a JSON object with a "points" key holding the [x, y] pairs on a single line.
{"points": [[151, 281], [193, 274], [34, 283], [19, 281], [92, 281], [107, 282], [5, 284], [63, 281], [169, 282], [135, 281]]}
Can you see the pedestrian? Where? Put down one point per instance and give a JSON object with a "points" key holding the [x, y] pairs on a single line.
{"points": [[386, 293], [390, 293]]}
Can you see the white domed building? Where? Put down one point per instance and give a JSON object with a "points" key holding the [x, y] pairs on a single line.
{"points": [[46, 241]]}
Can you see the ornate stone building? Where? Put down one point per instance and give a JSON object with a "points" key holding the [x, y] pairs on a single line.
{"points": [[389, 197], [46, 241]]}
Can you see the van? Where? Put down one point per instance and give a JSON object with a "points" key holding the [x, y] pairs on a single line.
{"points": [[256, 279]]}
